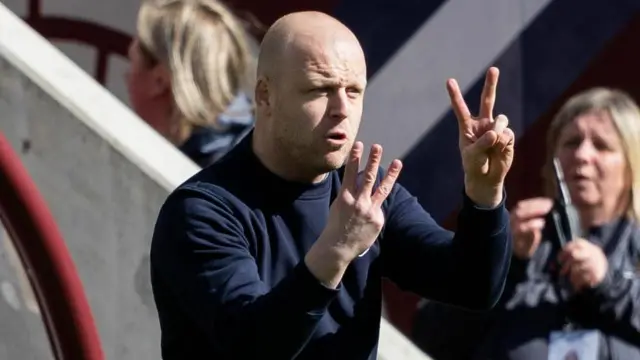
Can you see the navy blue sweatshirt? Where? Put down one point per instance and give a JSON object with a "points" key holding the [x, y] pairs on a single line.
{"points": [[230, 282]]}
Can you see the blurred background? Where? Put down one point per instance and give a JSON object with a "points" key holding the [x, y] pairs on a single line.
{"points": [[103, 172]]}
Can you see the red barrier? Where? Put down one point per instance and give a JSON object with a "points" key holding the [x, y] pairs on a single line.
{"points": [[44, 254]]}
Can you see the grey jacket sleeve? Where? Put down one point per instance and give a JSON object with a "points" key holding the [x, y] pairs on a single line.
{"points": [[614, 306]]}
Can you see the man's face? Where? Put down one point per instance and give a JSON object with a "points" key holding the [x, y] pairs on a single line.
{"points": [[316, 103]]}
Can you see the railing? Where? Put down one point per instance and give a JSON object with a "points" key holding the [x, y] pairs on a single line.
{"points": [[44, 254]]}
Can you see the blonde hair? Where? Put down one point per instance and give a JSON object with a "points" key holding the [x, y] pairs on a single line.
{"points": [[206, 50], [624, 113]]}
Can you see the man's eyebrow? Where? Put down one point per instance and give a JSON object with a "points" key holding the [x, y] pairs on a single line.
{"points": [[333, 80]]}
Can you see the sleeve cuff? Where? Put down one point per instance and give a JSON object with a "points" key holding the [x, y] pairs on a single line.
{"points": [[315, 297], [485, 220]]}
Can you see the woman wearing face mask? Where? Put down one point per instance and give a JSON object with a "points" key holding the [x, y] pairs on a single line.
{"points": [[584, 296], [189, 66]]}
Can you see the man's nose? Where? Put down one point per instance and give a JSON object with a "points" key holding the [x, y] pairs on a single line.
{"points": [[339, 105]]}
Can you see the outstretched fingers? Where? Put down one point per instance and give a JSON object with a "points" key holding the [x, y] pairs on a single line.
{"points": [[384, 189]]}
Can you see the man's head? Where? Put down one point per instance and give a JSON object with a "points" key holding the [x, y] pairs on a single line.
{"points": [[309, 95]]}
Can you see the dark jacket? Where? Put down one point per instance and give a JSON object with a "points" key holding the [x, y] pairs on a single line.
{"points": [[229, 279], [532, 306]]}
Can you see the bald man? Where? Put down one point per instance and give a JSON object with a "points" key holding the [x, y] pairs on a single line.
{"points": [[278, 250]]}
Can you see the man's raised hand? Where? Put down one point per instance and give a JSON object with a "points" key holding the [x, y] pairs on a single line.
{"points": [[356, 217], [486, 143]]}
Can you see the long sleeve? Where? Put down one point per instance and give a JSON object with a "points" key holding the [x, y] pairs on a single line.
{"points": [[613, 306], [450, 333], [201, 255], [466, 269]]}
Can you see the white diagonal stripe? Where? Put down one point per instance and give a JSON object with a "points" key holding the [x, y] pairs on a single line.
{"points": [[408, 95]]}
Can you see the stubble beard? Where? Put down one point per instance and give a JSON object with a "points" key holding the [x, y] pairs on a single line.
{"points": [[320, 162]]}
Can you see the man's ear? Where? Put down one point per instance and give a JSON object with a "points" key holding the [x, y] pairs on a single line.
{"points": [[262, 95], [161, 81], [262, 92]]}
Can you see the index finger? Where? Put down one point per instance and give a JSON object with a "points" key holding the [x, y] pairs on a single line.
{"points": [[351, 168], [457, 102], [488, 97]]}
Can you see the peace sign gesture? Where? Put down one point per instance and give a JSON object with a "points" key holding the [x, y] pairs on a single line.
{"points": [[486, 143]]}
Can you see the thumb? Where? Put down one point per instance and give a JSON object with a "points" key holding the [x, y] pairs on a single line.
{"points": [[484, 143], [477, 153]]}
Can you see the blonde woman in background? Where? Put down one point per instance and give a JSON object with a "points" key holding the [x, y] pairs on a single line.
{"points": [[585, 295], [190, 66]]}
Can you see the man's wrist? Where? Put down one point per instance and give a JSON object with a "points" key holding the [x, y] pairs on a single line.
{"points": [[488, 197], [327, 264]]}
